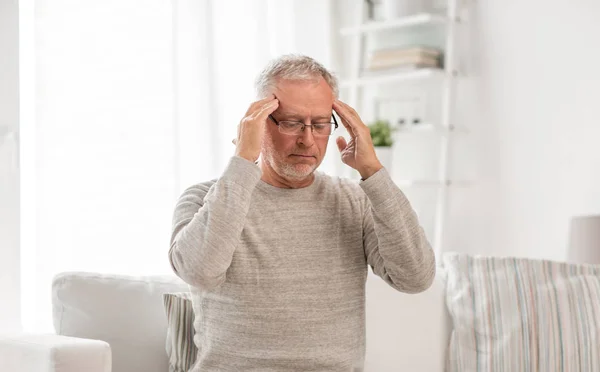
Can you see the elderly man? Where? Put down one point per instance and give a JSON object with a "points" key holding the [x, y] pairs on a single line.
{"points": [[276, 252]]}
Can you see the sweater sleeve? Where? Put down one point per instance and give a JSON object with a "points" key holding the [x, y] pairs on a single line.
{"points": [[395, 244], [208, 222]]}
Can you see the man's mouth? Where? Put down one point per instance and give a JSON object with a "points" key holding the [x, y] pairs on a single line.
{"points": [[304, 156]]}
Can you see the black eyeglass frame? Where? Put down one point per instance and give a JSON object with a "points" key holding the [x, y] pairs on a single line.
{"points": [[305, 125]]}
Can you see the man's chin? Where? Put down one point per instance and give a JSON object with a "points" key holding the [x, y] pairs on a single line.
{"points": [[299, 171], [303, 159]]}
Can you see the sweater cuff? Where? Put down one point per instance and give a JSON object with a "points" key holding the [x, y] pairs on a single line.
{"points": [[242, 172], [380, 188]]}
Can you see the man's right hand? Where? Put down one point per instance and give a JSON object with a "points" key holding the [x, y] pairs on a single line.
{"points": [[251, 129]]}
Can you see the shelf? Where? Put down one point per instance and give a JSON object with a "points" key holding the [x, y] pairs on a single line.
{"points": [[429, 183], [404, 22], [421, 183], [387, 78], [425, 128]]}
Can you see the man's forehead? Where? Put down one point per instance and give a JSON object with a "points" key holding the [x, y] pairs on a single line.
{"points": [[303, 96], [301, 114], [292, 110]]}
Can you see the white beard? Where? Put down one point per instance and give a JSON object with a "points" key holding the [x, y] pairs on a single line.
{"points": [[295, 172]]}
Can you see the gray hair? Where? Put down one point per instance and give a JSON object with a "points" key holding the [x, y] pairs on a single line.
{"points": [[293, 67]]}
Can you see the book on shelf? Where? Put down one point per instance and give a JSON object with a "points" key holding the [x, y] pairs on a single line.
{"points": [[396, 70], [405, 61], [416, 50], [411, 57]]}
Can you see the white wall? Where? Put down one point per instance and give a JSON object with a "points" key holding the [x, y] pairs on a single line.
{"points": [[530, 100], [9, 169], [533, 104]]}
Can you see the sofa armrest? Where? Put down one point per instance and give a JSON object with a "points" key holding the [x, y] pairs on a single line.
{"points": [[53, 353]]}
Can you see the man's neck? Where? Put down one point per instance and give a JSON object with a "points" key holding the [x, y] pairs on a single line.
{"points": [[274, 179]]}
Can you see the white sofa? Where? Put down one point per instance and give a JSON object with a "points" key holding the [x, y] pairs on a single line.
{"points": [[110, 323]]}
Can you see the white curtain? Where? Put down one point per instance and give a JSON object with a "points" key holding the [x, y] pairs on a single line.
{"points": [[133, 101]]}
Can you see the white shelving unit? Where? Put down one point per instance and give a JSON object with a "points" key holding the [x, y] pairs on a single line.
{"points": [[410, 21], [378, 79], [446, 77]]}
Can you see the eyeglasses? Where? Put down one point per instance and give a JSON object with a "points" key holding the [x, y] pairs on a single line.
{"points": [[294, 128]]}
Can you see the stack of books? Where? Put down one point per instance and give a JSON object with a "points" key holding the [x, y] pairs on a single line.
{"points": [[400, 59]]}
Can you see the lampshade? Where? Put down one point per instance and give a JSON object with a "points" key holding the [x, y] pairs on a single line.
{"points": [[584, 240]]}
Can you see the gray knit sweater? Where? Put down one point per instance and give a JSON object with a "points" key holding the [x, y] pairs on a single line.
{"points": [[278, 275]]}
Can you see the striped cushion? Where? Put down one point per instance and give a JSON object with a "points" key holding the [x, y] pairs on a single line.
{"points": [[181, 349], [515, 315]]}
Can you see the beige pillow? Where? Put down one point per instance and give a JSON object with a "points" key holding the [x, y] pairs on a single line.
{"points": [[181, 350], [516, 315]]}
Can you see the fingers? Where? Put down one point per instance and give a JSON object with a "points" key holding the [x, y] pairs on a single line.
{"points": [[341, 143], [251, 128], [350, 114], [259, 104], [262, 112], [349, 108], [267, 109], [350, 119], [344, 114], [255, 105]]}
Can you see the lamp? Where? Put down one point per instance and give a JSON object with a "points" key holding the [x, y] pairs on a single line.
{"points": [[584, 240]]}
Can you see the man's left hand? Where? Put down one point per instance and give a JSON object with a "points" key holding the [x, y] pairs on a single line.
{"points": [[359, 153]]}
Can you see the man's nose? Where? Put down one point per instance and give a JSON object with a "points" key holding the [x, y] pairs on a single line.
{"points": [[306, 138]]}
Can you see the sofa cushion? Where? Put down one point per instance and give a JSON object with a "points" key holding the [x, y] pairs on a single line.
{"points": [[35, 352], [516, 314], [406, 332], [181, 350], [127, 312]]}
